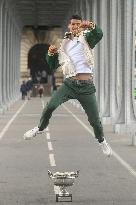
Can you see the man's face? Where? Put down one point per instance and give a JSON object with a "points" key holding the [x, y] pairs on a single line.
{"points": [[74, 26]]}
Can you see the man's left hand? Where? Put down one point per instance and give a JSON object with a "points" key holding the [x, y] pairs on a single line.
{"points": [[87, 24]]}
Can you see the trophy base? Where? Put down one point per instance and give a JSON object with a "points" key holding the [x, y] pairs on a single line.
{"points": [[64, 198]]}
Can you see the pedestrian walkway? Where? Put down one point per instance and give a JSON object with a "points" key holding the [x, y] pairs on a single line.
{"points": [[67, 144]]}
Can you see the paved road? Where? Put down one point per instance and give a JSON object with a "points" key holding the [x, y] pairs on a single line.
{"points": [[67, 145]]}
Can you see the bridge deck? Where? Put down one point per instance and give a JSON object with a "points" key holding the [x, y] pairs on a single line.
{"points": [[67, 145]]}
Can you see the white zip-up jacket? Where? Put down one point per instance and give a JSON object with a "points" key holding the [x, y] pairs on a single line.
{"points": [[66, 63], [89, 39]]}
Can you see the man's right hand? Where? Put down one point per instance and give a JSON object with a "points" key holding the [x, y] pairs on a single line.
{"points": [[52, 49]]}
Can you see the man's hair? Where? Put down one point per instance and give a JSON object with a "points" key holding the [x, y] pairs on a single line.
{"points": [[75, 17]]}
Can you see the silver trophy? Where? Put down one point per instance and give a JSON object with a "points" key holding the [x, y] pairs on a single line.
{"points": [[63, 180]]}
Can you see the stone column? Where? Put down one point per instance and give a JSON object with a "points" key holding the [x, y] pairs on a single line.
{"points": [[18, 64], [1, 19], [7, 56], [10, 60], [14, 63], [126, 117], [96, 15], [83, 8], [4, 52], [78, 7], [105, 62], [113, 53], [88, 7], [103, 59]]}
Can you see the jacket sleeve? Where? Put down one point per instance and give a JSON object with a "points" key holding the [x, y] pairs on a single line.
{"points": [[52, 61], [94, 36]]}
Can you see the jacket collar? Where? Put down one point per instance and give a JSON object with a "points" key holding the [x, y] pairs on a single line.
{"points": [[70, 35]]}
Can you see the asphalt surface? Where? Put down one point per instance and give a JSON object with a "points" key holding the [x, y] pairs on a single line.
{"points": [[67, 145]]}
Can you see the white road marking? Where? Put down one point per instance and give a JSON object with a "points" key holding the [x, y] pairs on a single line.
{"points": [[47, 129], [125, 164], [43, 104], [119, 159], [11, 120], [51, 156], [52, 160], [56, 189], [50, 146], [48, 136]]}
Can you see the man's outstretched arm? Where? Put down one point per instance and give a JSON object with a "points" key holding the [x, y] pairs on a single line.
{"points": [[93, 35], [52, 58]]}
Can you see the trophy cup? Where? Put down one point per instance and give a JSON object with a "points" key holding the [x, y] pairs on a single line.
{"points": [[63, 180]]}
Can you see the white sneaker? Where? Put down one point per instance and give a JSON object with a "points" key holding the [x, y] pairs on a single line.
{"points": [[106, 148], [31, 133]]}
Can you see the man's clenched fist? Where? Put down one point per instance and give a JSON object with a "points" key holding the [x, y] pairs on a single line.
{"points": [[52, 49]]}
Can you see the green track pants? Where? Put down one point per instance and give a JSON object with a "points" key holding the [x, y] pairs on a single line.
{"points": [[84, 92]]}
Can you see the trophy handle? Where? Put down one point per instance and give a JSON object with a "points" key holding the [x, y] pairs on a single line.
{"points": [[77, 173], [50, 173]]}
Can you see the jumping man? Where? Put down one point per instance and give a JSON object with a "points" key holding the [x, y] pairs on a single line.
{"points": [[76, 57]]}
